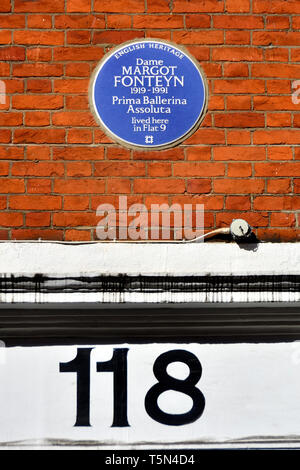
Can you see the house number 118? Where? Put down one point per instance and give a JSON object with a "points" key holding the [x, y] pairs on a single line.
{"points": [[118, 366]]}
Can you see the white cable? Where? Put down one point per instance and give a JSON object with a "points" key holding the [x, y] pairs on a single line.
{"points": [[224, 230]]}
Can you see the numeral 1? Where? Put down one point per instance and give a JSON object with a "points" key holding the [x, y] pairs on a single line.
{"points": [[81, 364], [118, 365]]}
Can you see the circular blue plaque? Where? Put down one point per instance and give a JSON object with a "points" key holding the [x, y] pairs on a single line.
{"points": [[148, 94]]}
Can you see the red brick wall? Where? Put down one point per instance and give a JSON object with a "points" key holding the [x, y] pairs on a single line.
{"points": [[56, 165]]}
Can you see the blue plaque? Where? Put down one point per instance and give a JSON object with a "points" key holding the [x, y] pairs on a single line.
{"points": [[148, 94]]}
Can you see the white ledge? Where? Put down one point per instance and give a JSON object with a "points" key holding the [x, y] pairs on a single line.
{"points": [[161, 259]]}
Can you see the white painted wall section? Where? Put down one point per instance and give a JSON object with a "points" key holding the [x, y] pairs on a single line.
{"points": [[149, 258]]}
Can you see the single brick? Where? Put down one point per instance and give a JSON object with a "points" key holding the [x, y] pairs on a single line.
{"points": [[79, 21], [239, 153], [77, 203], [39, 186], [42, 6], [37, 219], [119, 186], [159, 186], [79, 169], [198, 6], [78, 37], [78, 153], [37, 169], [279, 186], [35, 202], [79, 6], [37, 119], [39, 21], [241, 203], [39, 136], [79, 136], [109, 6], [12, 185], [239, 170], [37, 102], [79, 186], [52, 38], [199, 186], [37, 70], [198, 169], [5, 6], [239, 186], [159, 169]]}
